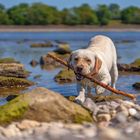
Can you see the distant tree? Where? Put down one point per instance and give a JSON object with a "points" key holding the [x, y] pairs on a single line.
{"points": [[2, 7], [86, 14], [18, 14], [115, 11], [103, 14], [69, 17], [131, 15], [79, 15], [42, 14], [4, 19]]}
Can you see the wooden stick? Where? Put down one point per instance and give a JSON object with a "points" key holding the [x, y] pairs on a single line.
{"points": [[94, 80]]}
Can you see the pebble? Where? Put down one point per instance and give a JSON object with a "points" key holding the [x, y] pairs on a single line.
{"points": [[89, 104], [90, 132], [137, 116], [123, 109], [57, 132], [128, 104], [129, 130], [27, 124], [109, 134], [103, 117], [132, 111], [121, 117], [11, 131]]}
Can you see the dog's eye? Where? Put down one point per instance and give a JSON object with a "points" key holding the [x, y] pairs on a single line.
{"points": [[88, 60], [76, 59]]}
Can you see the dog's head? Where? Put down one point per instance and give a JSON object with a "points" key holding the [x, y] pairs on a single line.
{"points": [[84, 62]]}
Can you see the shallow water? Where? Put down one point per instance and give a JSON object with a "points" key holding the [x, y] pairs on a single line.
{"points": [[17, 45]]}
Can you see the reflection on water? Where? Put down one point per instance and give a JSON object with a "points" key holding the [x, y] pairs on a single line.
{"points": [[17, 45]]}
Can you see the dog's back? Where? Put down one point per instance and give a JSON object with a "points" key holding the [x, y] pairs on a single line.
{"points": [[104, 46]]}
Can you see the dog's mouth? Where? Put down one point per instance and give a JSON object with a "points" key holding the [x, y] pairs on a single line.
{"points": [[79, 77]]}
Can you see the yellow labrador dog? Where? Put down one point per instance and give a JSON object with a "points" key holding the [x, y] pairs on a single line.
{"points": [[99, 59]]}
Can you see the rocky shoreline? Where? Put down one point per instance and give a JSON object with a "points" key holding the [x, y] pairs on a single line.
{"points": [[48, 115], [42, 114]]}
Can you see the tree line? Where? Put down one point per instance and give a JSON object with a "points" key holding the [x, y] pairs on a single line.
{"points": [[42, 14]]}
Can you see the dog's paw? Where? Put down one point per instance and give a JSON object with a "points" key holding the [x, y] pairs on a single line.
{"points": [[99, 90], [79, 99]]}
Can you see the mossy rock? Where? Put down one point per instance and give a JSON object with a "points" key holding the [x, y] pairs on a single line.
{"points": [[10, 82], [42, 45], [45, 106], [137, 62], [136, 85], [65, 76], [13, 110], [63, 49], [8, 60]]}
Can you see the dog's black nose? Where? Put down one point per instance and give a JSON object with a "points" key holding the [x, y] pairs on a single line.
{"points": [[79, 69]]}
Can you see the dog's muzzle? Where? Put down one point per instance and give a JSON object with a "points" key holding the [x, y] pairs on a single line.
{"points": [[79, 77]]}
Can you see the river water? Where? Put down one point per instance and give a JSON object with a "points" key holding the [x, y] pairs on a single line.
{"points": [[17, 45]]}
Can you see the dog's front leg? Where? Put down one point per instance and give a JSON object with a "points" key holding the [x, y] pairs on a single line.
{"points": [[106, 79], [81, 93]]}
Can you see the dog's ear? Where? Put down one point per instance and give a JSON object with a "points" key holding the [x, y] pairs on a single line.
{"points": [[98, 64], [69, 62]]}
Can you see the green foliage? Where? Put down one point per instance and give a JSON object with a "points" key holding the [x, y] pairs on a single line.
{"points": [[103, 14], [115, 11], [4, 18], [2, 7], [69, 17], [131, 15], [18, 14], [86, 15], [42, 14], [79, 15]]}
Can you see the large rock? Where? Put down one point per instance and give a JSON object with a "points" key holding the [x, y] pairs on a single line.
{"points": [[13, 70], [43, 105]]}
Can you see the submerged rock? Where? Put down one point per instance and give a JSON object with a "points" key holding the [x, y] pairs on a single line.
{"points": [[63, 48], [38, 45], [65, 76], [8, 60], [9, 82], [43, 105], [136, 62], [132, 67], [128, 68], [136, 85], [33, 63], [47, 62]]}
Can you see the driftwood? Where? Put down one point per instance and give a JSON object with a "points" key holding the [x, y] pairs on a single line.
{"points": [[94, 80]]}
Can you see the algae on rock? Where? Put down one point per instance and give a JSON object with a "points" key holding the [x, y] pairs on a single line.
{"points": [[137, 62], [14, 82], [65, 76], [43, 105]]}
